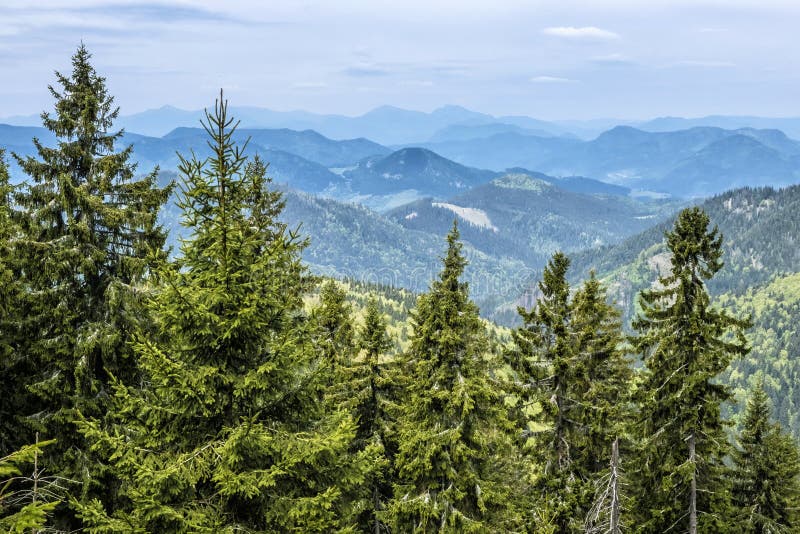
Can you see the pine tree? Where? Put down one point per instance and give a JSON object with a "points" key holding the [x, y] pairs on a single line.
{"points": [[568, 358], [453, 446], [685, 344], [230, 435], [766, 489], [89, 234]]}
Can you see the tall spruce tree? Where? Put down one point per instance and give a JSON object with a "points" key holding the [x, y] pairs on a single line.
{"points": [[230, 434], [568, 357], [14, 369], [89, 234], [685, 344], [766, 475], [453, 445], [543, 361], [602, 379], [372, 392]]}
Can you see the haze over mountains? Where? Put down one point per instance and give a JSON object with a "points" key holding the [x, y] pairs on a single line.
{"points": [[393, 125]]}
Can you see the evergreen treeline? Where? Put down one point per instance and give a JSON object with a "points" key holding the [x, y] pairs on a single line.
{"points": [[224, 389]]}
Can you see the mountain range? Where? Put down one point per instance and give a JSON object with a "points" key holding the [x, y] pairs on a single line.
{"points": [[391, 125], [696, 162]]}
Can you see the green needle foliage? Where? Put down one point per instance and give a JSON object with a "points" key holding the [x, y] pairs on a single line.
{"points": [[766, 475], [453, 444], [196, 395], [89, 234], [230, 435], [685, 343]]}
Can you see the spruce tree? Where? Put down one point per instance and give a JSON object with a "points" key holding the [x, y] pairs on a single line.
{"points": [[453, 447], [685, 344], [230, 434], [89, 234], [602, 379], [14, 369], [372, 386], [335, 333], [568, 357], [26, 501], [766, 488], [543, 361]]}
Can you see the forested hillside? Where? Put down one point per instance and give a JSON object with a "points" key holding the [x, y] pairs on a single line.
{"points": [[525, 217], [762, 259]]}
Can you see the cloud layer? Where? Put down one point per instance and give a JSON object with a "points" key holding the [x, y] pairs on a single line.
{"points": [[584, 32], [567, 59]]}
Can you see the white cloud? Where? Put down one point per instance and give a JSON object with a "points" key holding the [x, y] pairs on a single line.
{"points": [[610, 57], [584, 32], [703, 63], [550, 79]]}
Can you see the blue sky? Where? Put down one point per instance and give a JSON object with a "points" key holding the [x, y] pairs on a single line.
{"points": [[558, 59]]}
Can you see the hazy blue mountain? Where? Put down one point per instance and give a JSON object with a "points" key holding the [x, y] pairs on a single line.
{"points": [[414, 169], [308, 144], [524, 217], [385, 124], [465, 132], [157, 122], [731, 162], [503, 150], [789, 125], [576, 184], [285, 167], [658, 160], [700, 161]]}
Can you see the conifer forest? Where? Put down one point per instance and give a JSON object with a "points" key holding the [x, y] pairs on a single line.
{"points": [[204, 377]]}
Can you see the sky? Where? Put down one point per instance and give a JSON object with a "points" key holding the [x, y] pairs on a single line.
{"points": [[555, 59]]}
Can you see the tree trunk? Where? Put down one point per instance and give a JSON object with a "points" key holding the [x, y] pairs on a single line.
{"points": [[615, 507], [693, 493]]}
